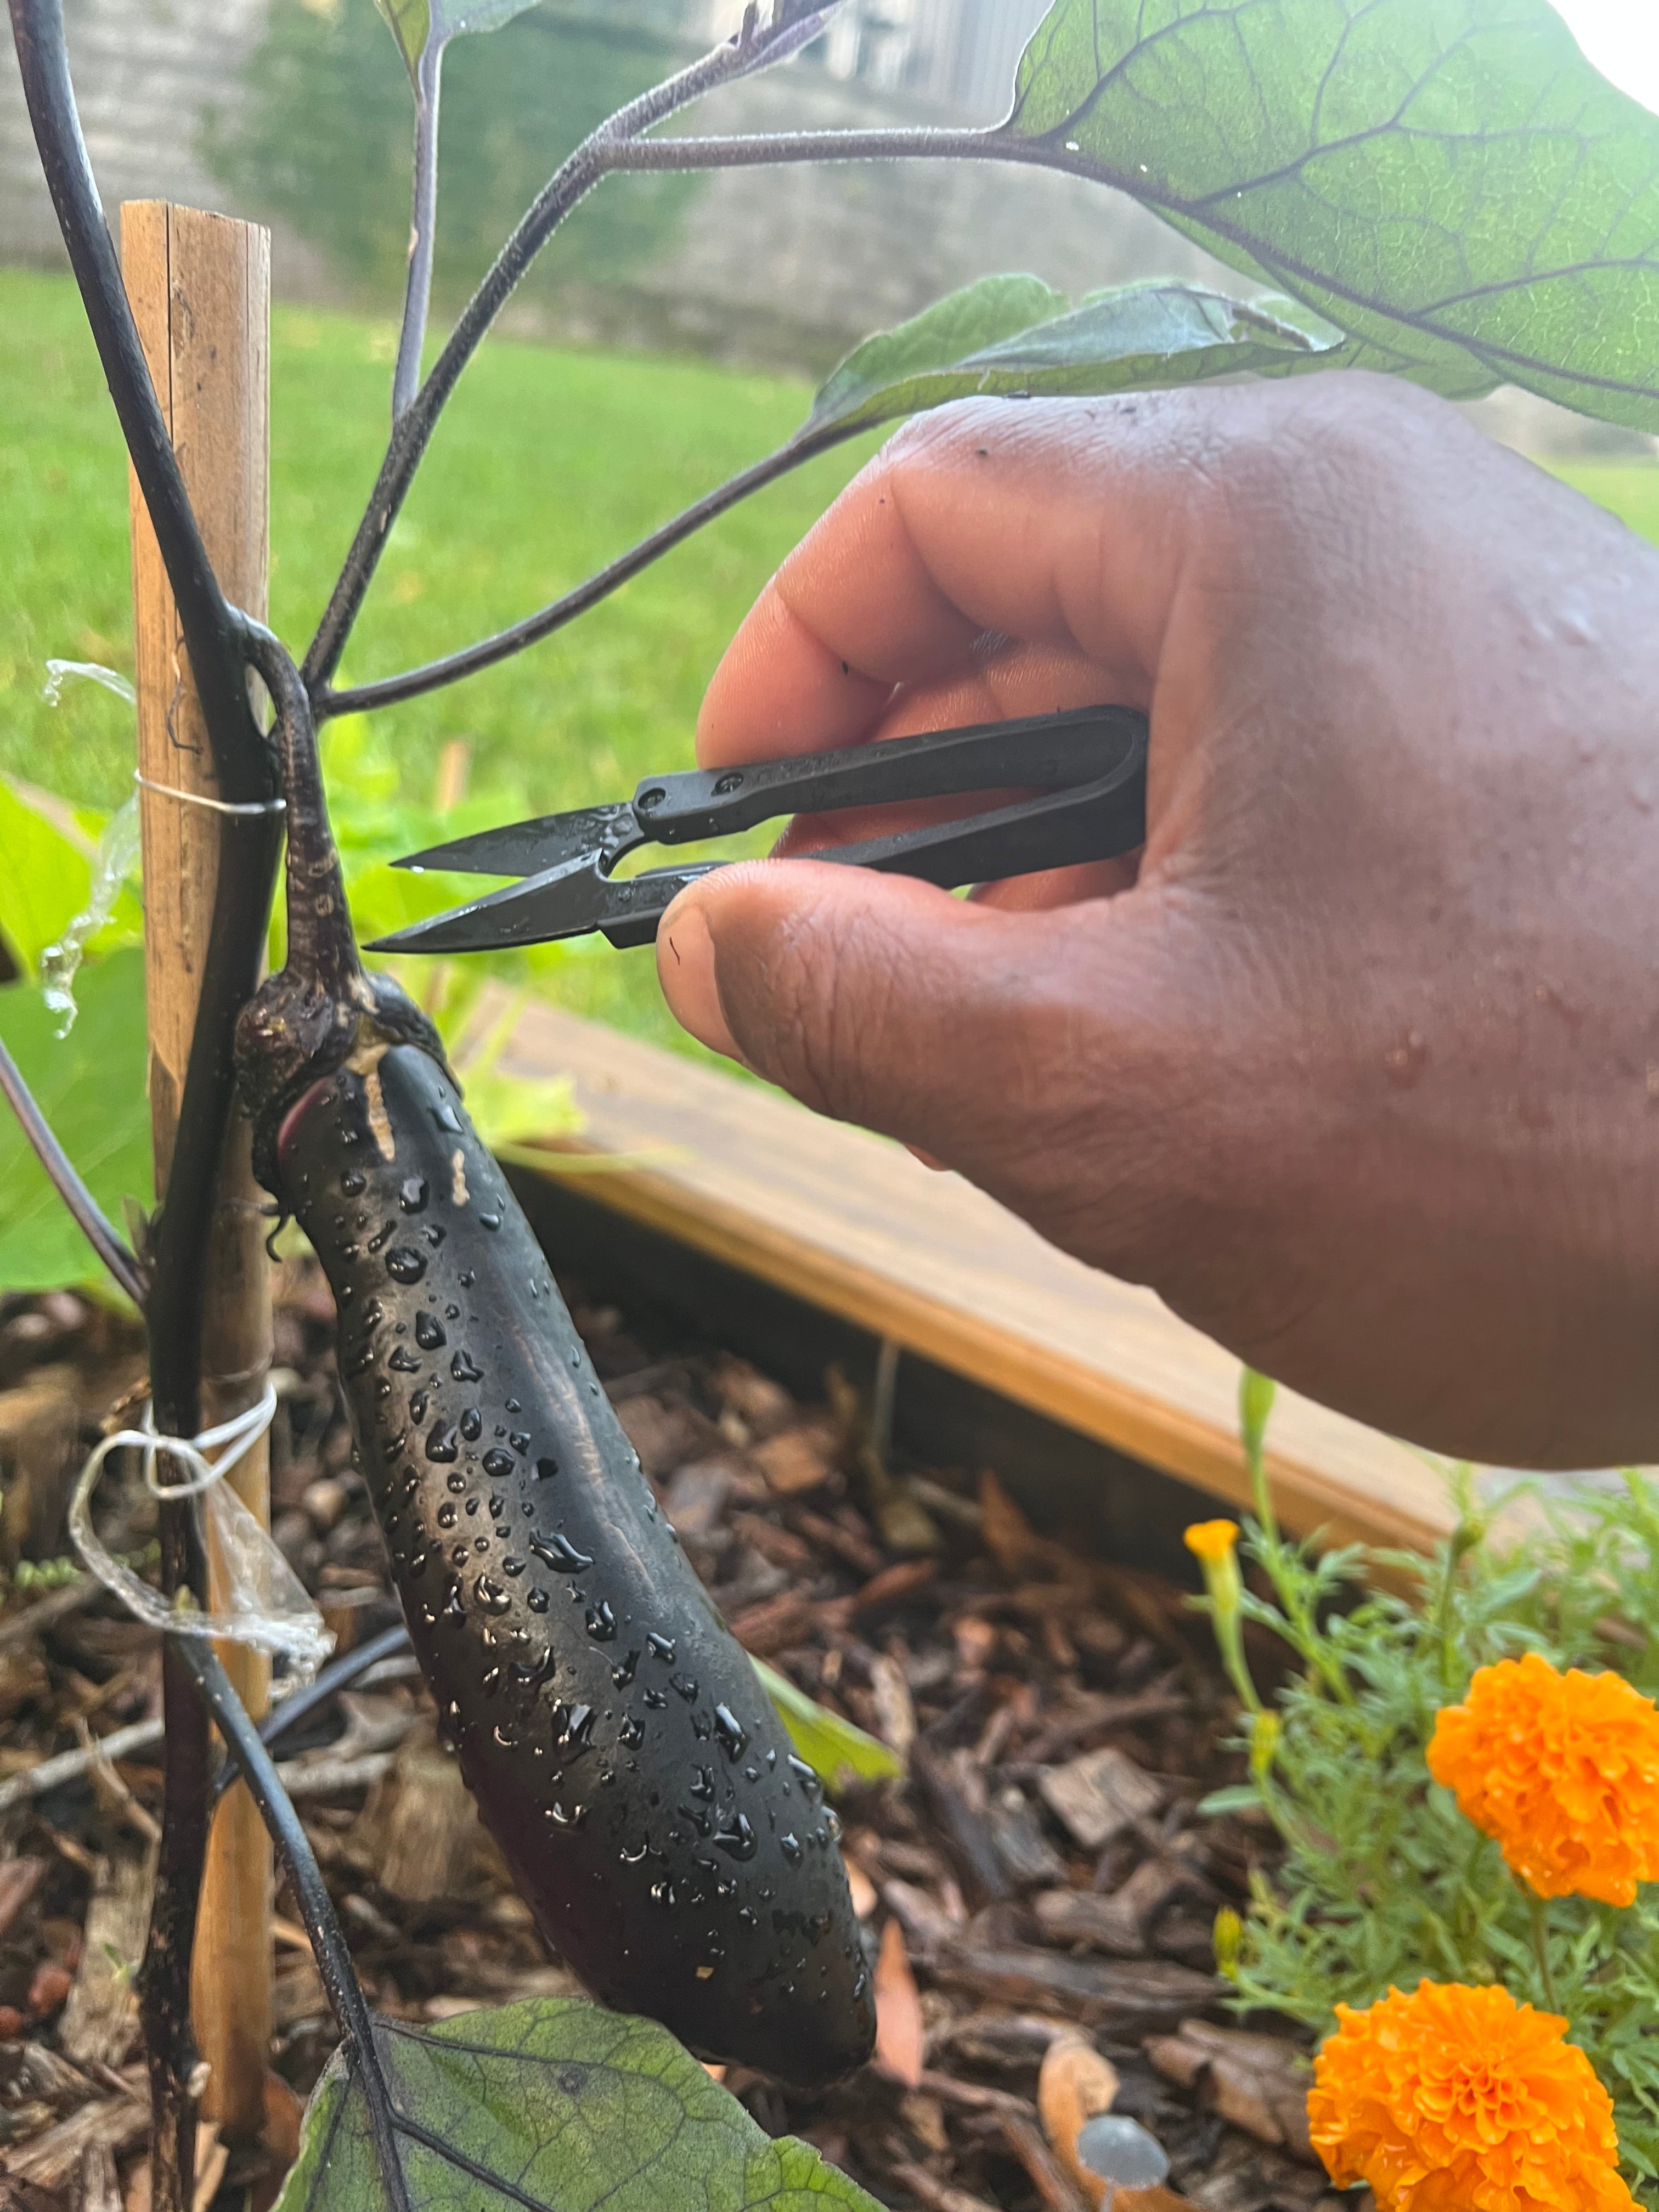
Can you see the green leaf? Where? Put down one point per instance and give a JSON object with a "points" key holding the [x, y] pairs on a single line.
{"points": [[410, 24], [555, 2105], [1238, 1798], [1449, 181], [416, 24], [90, 1086], [824, 1740], [45, 866], [1013, 337]]}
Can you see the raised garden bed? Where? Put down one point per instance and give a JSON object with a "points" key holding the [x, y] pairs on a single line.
{"points": [[1058, 1707]]}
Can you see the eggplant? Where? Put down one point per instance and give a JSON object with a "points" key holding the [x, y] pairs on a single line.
{"points": [[640, 1783]]}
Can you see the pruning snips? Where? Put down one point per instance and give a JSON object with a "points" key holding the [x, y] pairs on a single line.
{"points": [[1087, 770]]}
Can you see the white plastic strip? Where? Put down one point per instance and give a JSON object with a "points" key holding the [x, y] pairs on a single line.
{"points": [[267, 1604]]}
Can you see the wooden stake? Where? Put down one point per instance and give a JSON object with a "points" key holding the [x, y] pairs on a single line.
{"points": [[200, 286]]}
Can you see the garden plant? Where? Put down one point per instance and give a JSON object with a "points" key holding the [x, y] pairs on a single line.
{"points": [[1438, 189]]}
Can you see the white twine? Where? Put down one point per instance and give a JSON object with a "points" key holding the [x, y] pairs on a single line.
{"points": [[216, 805], [268, 1607]]}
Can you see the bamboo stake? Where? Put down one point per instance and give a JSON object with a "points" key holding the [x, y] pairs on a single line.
{"points": [[200, 286]]}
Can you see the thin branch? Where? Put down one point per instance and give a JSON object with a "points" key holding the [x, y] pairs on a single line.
{"points": [[390, 690], [423, 229], [300, 1704], [773, 149], [93, 1222], [754, 48], [316, 1907]]}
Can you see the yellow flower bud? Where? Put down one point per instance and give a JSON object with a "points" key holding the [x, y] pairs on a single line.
{"points": [[1264, 1745], [1213, 1544], [1212, 1541], [1228, 1934]]}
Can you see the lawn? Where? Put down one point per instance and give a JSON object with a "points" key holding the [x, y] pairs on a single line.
{"points": [[548, 462]]}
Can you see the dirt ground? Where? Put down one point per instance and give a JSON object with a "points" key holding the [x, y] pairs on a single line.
{"points": [[1041, 1868]]}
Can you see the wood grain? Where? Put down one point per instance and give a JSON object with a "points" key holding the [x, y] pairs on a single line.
{"points": [[200, 286], [857, 1226]]}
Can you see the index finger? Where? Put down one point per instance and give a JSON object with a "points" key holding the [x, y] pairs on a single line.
{"points": [[1056, 523]]}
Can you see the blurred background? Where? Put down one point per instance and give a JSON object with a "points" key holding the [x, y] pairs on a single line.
{"points": [[670, 333]]}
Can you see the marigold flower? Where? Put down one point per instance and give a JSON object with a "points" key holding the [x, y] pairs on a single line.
{"points": [[1563, 1769], [1212, 1539], [1455, 2100]]}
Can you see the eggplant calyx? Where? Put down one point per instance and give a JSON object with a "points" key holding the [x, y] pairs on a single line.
{"points": [[304, 1022]]}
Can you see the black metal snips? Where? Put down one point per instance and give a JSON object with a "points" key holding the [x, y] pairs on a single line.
{"points": [[1090, 762]]}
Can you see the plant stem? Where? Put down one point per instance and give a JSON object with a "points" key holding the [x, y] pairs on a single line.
{"points": [[422, 229], [340, 1674], [316, 1908], [210, 624], [390, 690], [93, 1223], [164, 1975], [753, 48], [213, 636], [1541, 1945]]}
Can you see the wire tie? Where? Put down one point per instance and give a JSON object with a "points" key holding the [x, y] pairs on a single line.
{"points": [[214, 806]]}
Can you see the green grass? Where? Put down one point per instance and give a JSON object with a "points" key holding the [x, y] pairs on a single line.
{"points": [[547, 463]]}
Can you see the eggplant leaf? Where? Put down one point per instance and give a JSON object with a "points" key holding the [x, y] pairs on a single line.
{"points": [[553, 2106], [1449, 181], [824, 1739], [417, 24], [1010, 337], [410, 24], [90, 1085]]}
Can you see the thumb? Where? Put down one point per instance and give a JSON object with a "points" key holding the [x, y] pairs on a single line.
{"points": [[882, 1000]]}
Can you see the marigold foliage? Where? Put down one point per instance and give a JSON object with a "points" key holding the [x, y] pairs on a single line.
{"points": [[1457, 2099], [1561, 1771], [1383, 1882]]}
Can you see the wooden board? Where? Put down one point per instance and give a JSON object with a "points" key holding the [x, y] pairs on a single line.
{"points": [[857, 1226]]}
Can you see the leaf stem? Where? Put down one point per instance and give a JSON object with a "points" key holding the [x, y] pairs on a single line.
{"points": [[422, 229], [754, 47], [298, 1706], [390, 690], [93, 1223]]}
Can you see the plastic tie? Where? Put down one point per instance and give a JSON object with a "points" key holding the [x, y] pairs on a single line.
{"points": [[268, 1607]]}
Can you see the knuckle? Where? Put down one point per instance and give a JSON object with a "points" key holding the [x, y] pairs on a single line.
{"points": [[819, 1034]]}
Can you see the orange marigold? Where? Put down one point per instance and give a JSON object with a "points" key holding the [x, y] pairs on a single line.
{"points": [[1455, 2100], [1563, 1769]]}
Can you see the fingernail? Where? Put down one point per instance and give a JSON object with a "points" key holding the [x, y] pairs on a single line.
{"points": [[685, 969]]}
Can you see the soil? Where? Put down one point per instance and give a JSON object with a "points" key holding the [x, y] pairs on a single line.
{"points": [[1041, 1868]]}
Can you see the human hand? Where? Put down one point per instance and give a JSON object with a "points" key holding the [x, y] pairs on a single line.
{"points": [[1358, 1062]]}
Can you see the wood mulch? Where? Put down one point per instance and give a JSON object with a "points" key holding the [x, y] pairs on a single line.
{"points": [[1041, 1868]]}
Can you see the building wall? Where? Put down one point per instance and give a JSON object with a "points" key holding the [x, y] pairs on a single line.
{"points": [[957, 54], [788, 266]]}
